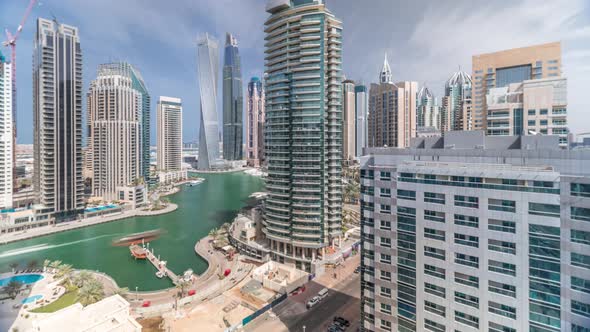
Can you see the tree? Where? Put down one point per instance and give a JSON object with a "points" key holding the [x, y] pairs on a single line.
{"points": [[46, 264], [13, 288], [54, 265], [13, 266], [123, 291], [91, 292], [64, 271], [80, 278], [214, 233]]}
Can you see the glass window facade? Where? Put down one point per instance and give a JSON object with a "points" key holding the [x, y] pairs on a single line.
{"points": [[509, 75]]}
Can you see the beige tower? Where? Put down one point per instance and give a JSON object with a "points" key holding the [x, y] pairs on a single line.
{"points": [[349, 120], [169, 134]]}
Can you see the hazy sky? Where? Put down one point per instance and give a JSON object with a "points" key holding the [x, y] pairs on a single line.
{"points": [[426, 41]]}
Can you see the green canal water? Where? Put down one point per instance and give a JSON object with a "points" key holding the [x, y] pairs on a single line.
{"points": [[200, 209]]}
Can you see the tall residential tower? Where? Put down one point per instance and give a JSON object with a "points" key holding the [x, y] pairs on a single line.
{"points": [[57, 118], [303, 209], [428, 113], [456, 111], [255, 123], [349, 121], [169, 135], [361, 99], [6, 134], [233, 101]]}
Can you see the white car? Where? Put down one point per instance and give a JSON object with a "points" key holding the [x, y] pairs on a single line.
{"points": [[313, 301]]}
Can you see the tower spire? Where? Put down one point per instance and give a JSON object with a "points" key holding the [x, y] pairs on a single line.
{"points": [[385, 76]]}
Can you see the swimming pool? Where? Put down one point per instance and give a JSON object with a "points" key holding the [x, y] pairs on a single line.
{"points": [[31, 299], [24, 278]]}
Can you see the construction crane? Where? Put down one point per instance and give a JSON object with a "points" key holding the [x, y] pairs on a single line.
{"points": [[11, 42]]}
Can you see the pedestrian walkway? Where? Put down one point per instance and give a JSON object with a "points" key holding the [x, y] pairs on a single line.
{"points": [[160, 265]]}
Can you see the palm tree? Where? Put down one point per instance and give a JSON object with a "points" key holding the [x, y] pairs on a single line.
{"points": [[46, 264], [13, 288], [54, 265], [213, 233], [80, 278], [13, 266], [91, 292], [123, 291], [64, 271]]}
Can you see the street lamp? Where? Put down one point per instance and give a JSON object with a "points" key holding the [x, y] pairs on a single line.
{"points": [[303, 328], [136, 294]]}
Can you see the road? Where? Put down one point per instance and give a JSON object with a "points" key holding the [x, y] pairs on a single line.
{"points": [[343, 300]]}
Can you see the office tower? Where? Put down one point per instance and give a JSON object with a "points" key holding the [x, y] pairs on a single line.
{"points": [[361, 100], [428, 113], [255, 123], [303, 209], [169, 136], [349, 120], [456, 104], [115, 115], [392, 111], [491, 235], [529, 108], [208, 72], [57, 118], [6, 134], [233, 101], [385, 75], [500, 69]]}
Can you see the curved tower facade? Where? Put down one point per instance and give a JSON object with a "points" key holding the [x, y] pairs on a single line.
{"points": [[208, 69], [303, 209], [428, 113], [233, 101], [456, 112]]}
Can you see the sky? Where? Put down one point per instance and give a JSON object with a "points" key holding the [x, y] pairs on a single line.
{"points": [[426, 41]]}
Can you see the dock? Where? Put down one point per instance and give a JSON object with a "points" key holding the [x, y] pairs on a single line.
{"points": [[162, 267]]}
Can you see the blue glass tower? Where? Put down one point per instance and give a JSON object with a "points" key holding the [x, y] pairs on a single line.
{"points": [[233, 101]]}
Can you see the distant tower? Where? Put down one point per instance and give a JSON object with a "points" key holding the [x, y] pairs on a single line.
{"points": [[349, 120], [208, 72], [57, 119], [456, 108], [233, 101], [169, 142], [361, 98], [6, 134], [255, 123], [385, 75], [428, 111]]}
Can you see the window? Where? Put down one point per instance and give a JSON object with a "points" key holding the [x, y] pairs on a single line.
{"points": [[466, 319], [500, 288], [434, 271], [581, 285], [367, 174], [434, 234], [384, 176], [579, 213], [580, 260], [547, 210], [434, 216], [467, 201], [434, 253], [580, 308], [500, 328], [468, 221], [502, 310], [385, 225], [501, 205], [385, 192], [433, 326], [467, 280], [406, 194], [385, 325], [532, 112], [466, 299], [385, 258], [386, 242], [385, 208], [578, 328], [501, 267], [580, 189], [502, 246], [467, 260], [434, 198], [532, 123], [543, 122], [385, 292], [386, 275], [435, 290], [435, 308], [543, 111], [407, 175], [580, 237], [386, 308], [467, 240]]}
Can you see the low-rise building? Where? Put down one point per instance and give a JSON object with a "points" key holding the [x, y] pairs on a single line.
{"points": [[14, 220], [169, 177], [108, 315], [135, 195]]}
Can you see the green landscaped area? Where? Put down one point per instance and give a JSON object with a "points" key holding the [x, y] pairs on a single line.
{"points": [[65, 300]]}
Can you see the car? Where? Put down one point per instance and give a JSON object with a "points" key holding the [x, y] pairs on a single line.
{"points": [[341, 321], [335, 328], [313, 301], [357, 270]]}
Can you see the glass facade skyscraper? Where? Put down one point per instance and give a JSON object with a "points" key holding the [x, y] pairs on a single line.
{"points": [[233, 101], [208, 72], [303, 209]]}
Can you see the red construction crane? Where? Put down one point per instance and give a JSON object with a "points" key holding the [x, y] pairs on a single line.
{"points": [[11, 42]]}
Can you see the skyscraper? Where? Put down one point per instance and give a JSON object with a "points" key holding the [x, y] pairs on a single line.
{"points": [[361, 99], [208, 72], [456, 104], [115, 108], [57, 118], [6, 134], [428, 110], [255, 123], [491, 235], [169, 143], [303, 209], [392, 111], [349, 121], [233, 101]]}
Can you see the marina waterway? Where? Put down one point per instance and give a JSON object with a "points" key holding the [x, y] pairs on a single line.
{"points": [[200, 208]]}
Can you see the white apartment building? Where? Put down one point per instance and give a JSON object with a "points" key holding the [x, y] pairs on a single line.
{"points": [[6, 134], [169, 134], [469, 232]]}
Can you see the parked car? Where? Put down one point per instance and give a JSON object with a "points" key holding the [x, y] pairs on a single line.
{"points": [[313, 301], [335, 328], [342, 321], [358, 269], [323, 293]]}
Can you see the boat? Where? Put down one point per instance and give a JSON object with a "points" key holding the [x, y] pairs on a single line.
{"points": [[136, 238], [138, 252], [160, 274], [195, 182]]}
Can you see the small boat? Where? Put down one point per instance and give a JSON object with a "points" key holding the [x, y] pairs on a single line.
{"points": [[138, 238], [138, 252], [195, 182], [160, 274]]}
